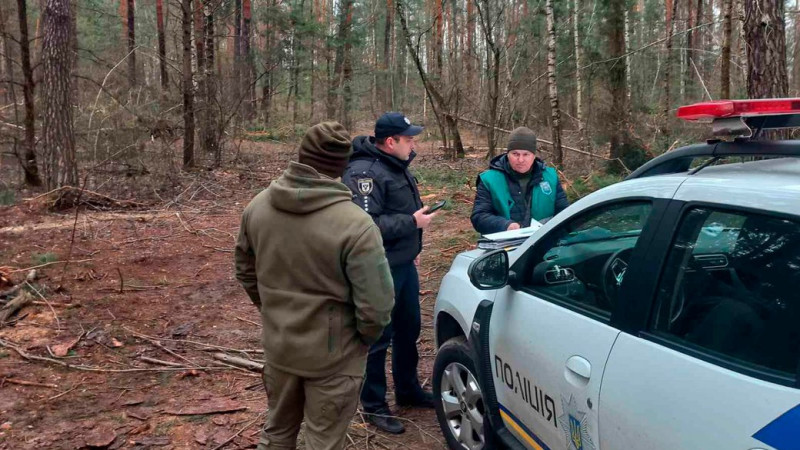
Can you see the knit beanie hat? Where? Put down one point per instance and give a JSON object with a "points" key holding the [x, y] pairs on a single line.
{"points": [[326, 147], [522, 138]]}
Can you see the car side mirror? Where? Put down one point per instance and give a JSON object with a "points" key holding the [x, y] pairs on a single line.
{"points": [[490, 270]]}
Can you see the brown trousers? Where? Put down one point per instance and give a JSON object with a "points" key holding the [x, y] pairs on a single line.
{"points": [[327, 403]]}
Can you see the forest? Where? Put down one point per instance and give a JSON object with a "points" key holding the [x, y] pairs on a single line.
{"points": [[133, 134], [94, 88]]}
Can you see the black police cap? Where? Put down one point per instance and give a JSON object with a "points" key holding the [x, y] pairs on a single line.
{"points": [[395, 124]]}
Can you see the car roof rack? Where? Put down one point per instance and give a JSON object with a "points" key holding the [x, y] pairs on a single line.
{"points": [[744, 120], [681, 160]]}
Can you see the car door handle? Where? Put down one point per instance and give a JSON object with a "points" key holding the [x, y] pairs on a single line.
{"points": [[580, 366]]}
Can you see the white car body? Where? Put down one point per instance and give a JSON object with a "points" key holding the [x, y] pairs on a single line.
{"points": [[566, 379]]}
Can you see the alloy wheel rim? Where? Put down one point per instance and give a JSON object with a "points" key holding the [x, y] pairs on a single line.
{"points": [[462, 403]]}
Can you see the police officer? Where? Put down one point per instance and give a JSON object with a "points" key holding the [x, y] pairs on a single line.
{"points": [[517, 187], [382, 186]]}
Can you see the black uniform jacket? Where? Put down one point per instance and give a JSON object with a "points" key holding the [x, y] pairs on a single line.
{"points": [[383, 187]]}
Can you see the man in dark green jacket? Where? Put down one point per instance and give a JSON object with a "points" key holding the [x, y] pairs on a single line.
{"points": [[517, 187], [314, 265]]}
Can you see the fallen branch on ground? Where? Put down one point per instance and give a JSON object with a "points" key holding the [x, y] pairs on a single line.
{"points": [[17, 303], [27, 383], [28, 357], [52, 263], [68, 197], [208, 347], [239, 362], [159, 362]]}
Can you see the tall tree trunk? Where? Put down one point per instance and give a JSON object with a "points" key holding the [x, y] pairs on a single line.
{"points": [[237, 59], [615, 29], [488, 21], [8, 59], [162, 46], [555, 113], [342, 50], [29, 160], [386, 61], [725, 63], [469, 52], [347, 75], [671, 9], [766, 49], [330, 96], [312, 75], [628, 83], [576, 23], [212, 114], [199, 80], [297, 46], [131, 42], [187, 85], [61, 166], [266, 97], [438, 42], [247, 60]]}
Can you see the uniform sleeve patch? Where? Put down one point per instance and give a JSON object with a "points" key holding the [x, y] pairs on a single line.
{"points": [[365, 186]]}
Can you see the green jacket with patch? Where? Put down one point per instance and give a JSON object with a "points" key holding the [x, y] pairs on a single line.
{"points": [[313, 262]]}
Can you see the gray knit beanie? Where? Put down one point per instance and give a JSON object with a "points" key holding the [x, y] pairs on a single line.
{"points": [[522, 138]]}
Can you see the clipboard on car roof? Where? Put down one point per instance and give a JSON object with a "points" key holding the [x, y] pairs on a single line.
{"points": [[508, 240]]}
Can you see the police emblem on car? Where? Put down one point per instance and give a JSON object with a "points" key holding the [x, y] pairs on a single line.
{"points": [[574, 425], [364, 186]]}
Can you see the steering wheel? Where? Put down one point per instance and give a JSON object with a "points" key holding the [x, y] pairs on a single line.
{"points": [[613, 273]]}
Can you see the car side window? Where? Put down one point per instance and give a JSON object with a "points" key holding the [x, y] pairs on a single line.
{"points": [[728, 288], [583, 261]]}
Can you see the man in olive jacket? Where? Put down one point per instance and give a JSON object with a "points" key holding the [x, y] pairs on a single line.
{"points": [[314, 265]]}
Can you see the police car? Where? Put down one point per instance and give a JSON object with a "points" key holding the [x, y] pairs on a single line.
{"points": [[662, 312]]}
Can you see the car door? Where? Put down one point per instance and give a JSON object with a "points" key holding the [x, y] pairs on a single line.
{"points": [[550, 332], [715, 365]]}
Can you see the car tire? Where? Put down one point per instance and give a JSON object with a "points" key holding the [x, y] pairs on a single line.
{"points": [[460, 408]]}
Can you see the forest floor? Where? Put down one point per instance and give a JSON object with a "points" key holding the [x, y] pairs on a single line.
{"points": [[120, 288]]}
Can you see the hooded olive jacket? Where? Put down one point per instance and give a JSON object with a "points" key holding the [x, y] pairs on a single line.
{"points": [[313, 262]]}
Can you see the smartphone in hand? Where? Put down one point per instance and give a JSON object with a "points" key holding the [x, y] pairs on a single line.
{"points": [[436, 206]]}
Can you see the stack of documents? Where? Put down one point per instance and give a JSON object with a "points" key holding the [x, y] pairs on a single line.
{"points": [[508, 239]]}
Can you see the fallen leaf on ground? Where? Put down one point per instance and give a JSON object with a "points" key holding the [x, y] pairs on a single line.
{"points": [[201, 437], [209, 407], [219, 420], [115, 343], [100, 437], [425, 292], [61, 350]]}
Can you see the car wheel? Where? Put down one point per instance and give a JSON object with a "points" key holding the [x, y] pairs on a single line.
{"points": [[460, 409]]}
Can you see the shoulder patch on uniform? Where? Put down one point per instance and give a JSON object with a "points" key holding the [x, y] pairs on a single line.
{"points": [[365, 186]]}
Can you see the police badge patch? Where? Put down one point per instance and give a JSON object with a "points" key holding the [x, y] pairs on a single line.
{"points": [[545, 187], [364, 186]]}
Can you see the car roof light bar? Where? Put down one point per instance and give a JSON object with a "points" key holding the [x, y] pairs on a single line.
{"points": [[738, 108], [744, 118]]}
